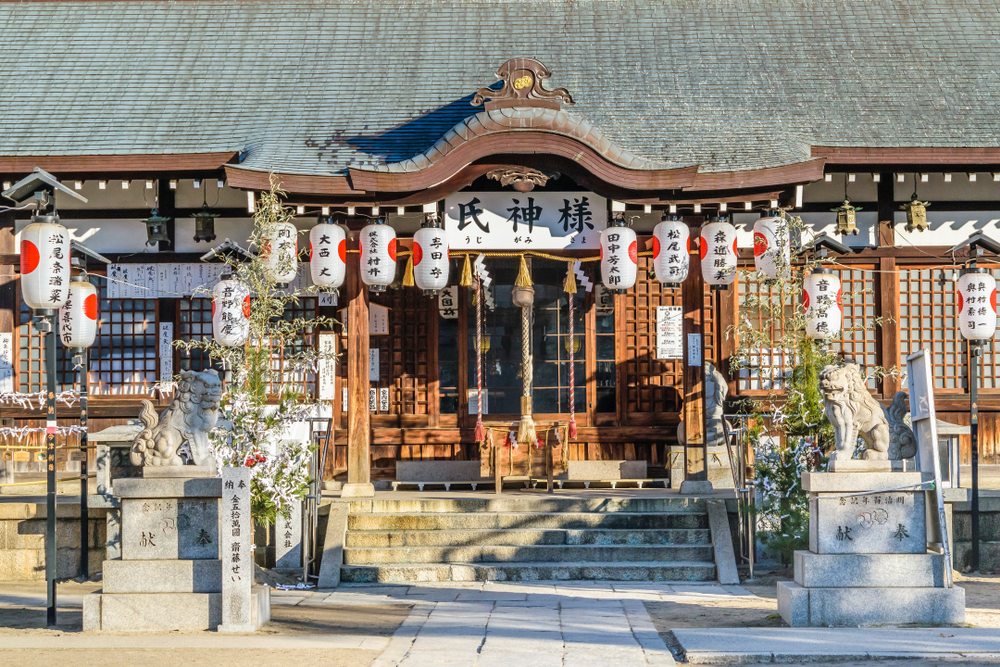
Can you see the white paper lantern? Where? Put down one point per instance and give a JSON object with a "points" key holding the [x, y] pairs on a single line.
{"points": [[977, 304], [718, 253], [771, 254], [430, 259], [78, 316], [281, 253], [45, 264], [378, 256], [619, 258], [821, 295], [327, 255], [230, 312], [671, 245]]}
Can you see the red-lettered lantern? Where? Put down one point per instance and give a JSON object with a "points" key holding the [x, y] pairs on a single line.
{"points": [[977, 304], [771, 254], [378, 256], [822, 298], [671, 245], [619, 257], [78, 316], [230, 312], [327, 255], [45, 264], [718, 253], [281, 253], [430, 257]]}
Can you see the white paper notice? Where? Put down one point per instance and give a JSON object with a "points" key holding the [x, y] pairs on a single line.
{"points": [[378, 320], [448, 302], [373, 369], [694, 349], [327, 368], [6, 363], [372, 399], [165, 339], [328, 298], [383, 399], [669, 332]]}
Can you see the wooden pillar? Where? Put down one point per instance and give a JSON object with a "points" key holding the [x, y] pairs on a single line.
{"points": [[8, 294], [886, 210], [433, 363], [888, 281], [358, 417], [693, 299]]}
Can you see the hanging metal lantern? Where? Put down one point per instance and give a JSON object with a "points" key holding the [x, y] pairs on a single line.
{"points": [[822, 298], [328, 254], [156, 228], [847, 219], [718, 253], [977, 304], [45, 264], [916, 214], [771, 252], [204, 224], [619, 257], [671, 247], [230, 312], [280, 253], [378, 256], [430, 256], [78, 316]]}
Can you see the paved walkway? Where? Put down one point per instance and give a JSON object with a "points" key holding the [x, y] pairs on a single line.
{"points": [[543, 624]]}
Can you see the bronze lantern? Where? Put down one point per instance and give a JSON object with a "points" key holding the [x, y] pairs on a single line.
{"points": [[156, 228], [204, 224]]}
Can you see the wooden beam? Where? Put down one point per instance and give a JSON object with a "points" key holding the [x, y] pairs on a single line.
{"points": [[728, 313], [66, 166], [693, 299], [908, 156], [8, 292], [886, 236], [358, 426], [433, 365]]}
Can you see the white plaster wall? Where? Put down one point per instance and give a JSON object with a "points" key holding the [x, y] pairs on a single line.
{"points": [[102, 236]]}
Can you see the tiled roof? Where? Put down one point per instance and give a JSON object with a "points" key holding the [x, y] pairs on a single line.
{"points": [[311, 87]]}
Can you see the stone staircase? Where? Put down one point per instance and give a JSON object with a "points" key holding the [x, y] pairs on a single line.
{"points": [[528, 539]]}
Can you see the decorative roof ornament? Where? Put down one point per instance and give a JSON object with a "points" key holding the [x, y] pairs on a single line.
{"points": [[522, 86], [523, 179]]}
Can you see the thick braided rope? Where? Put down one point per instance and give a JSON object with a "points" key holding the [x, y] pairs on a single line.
{"points": [[479, 349], [572, 366], [525, 352]]}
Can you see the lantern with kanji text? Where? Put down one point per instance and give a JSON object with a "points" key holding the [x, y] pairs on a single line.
{"points": [[619, 257], [230, 312], [718, 253], [430, 256], [671, 245], [78, 316], [280, 253], [327, 254], [771, 252], [977, 304], [822, 299], [45, 247], [378, 256]]}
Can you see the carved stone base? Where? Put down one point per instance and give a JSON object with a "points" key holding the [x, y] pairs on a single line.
{"points": [[187, 472], [358, 491]]}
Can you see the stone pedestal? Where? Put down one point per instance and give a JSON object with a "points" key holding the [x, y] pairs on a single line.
{"points": [[288, 540], [169, 576], [868, 562], [719, 472]]}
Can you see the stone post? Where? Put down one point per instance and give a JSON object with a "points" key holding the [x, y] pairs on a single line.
{"points": [[288, 540], [237, 551]]}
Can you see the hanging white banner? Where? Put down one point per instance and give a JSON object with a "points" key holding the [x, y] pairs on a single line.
{"points": [[533, 220]]}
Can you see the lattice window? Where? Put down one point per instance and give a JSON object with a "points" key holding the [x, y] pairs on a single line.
{"points": [[927, 319], [551, 340], [194, 322], [655, 385], [31, 355], [403, 352], [769, 368], [122, 359]]}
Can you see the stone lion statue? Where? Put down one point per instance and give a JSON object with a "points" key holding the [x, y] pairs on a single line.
{"points": [[182, 430], [855, 413]]}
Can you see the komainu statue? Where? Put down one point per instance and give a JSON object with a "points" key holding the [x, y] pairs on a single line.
{"points": [[182, 430], [855, 413]]}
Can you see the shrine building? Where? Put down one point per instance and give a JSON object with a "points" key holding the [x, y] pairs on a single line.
{"points": [[527, 129]]}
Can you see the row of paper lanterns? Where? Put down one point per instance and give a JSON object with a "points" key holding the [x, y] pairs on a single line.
{"points": [[47, 285]]}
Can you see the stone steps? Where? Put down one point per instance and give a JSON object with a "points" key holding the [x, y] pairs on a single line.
{"points": [[566, 571], [554, 536], [528, 539], [533, 553], [532, 520]]}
